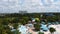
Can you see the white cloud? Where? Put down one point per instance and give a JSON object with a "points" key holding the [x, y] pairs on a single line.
{"points": [[29, 5]]}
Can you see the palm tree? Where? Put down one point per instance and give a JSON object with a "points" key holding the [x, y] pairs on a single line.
{"points": [[40, 33], [52, 30], [37, 27], [16, 30]]}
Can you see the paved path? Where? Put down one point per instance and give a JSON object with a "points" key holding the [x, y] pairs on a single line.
{"points": [[57, 27], [31, 31]]}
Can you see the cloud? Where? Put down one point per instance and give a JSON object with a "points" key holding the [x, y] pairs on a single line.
{"points": [[29, 5]]}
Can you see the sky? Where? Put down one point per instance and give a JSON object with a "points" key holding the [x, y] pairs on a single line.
{"points": [[14, 6]]}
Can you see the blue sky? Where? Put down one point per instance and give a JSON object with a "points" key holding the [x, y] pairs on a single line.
{"points": [[11, 6]]}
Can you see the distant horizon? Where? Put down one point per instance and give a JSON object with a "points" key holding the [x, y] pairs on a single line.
{"points": [[31, 12]]}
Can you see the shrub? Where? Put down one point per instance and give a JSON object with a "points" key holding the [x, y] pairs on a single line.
{"points": [[40, 33], [37, 27], [52, 30]]}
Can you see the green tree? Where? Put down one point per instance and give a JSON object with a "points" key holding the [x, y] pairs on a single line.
{"points": [[52, 30], [5, 22], [40, 33], [5, 29], [15, 20], [22, 21], [15, 25], [16, 31], [37, 27]]}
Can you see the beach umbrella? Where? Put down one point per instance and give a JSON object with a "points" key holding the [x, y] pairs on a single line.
{"points": [[44, 27]]}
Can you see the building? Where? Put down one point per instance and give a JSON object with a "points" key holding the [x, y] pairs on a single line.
{"points": [[22, 12]]}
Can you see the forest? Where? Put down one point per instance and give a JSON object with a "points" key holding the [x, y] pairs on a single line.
{"points": [[15, 19]]}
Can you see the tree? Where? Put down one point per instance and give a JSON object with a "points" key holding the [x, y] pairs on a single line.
{"points": [[15, 25], [40, 33], [16, 30], [5, 29], [52, 30], [22, 21], [5, 22], [37, 27], [15, 20]]}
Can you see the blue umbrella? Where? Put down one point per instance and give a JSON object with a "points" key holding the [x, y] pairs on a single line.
{"points": [[23, 29], [44, 27]]}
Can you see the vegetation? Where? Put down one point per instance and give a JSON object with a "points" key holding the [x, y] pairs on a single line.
{"points": [[16, 18], [37, 27], [40, 33], [4, 28], [52, 30]]}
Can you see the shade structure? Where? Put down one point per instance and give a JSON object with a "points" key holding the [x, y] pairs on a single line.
{"points": [[22, 29], [44, 27]]}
